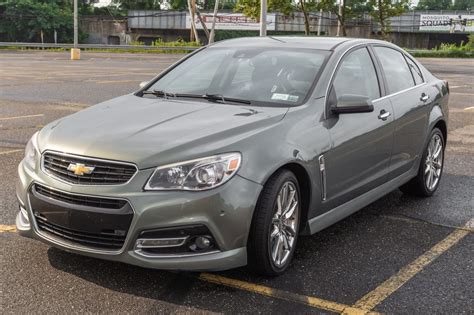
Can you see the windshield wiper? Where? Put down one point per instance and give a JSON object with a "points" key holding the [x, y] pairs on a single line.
{"points": [[215, 97], [210, 97], [159, 93]]}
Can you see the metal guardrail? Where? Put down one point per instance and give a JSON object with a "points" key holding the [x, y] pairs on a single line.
{"points": [[125, 47], [96, 46]]}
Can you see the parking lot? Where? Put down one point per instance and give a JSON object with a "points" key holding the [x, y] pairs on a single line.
{"points": [[399, 255]]}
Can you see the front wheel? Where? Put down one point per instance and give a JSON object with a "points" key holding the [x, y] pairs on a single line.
{"points": [[275, 225], [431, 168]]}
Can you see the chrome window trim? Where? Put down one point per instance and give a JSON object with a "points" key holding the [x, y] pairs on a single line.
{"points": [[70, 245], [380, 98], [85, 158], [396, 93]]}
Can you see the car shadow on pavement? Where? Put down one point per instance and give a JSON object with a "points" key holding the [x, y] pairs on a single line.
{"points": [[341, 263], [171, 287]]}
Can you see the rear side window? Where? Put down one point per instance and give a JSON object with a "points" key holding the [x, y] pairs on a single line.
{"points": [[356, 76], [396, 70], [415, 70]]}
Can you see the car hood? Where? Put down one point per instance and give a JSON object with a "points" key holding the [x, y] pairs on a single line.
{"points": [[151, 132]]}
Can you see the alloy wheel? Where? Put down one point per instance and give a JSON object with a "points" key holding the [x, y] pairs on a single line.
{"points": [[284, 224], [433, 162]]}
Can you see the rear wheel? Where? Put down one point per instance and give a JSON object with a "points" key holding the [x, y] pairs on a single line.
{"points": [[275, 225], [431, 168]]}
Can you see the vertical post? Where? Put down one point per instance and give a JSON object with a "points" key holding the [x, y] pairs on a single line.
{"points": [[319, 22], [75, 51], [263, 17], [339, 17], [75, 24]]}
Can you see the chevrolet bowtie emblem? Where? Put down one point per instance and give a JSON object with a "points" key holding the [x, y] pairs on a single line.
{"points": [[80, 169]]}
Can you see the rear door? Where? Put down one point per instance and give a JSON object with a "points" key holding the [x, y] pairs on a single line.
{"points": [[410, 99], [361, 143]]}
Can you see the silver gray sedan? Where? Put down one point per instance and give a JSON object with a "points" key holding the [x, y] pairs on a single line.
{"points": [[230, 154]]}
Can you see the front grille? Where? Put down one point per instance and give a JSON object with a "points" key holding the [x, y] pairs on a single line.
{"points": [[104, 173], [80, 199], [97, 240]]}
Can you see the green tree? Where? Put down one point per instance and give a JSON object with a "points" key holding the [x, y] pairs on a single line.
{"points": [[251, 8], [306, 6], [350, 9], [26, 20], [434, 5], [463, 5], [385, 9], [138, 4]]}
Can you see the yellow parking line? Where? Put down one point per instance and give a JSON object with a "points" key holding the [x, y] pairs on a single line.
{"points": [[7, 228], [11, 151], [21, 117], [280, 294], [469, 108], [379, 294]]}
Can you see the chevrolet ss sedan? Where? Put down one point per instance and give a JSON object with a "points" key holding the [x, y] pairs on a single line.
{"points": [[230, 154]]}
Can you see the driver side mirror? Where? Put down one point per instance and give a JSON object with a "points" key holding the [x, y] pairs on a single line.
{"points": [[349, 103]]}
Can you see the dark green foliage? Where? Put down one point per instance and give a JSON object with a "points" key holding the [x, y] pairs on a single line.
{"points": [[23, 20]]}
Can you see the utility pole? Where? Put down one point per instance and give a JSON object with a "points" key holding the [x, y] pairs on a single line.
{"points": [[263, 17], [75, 51]]}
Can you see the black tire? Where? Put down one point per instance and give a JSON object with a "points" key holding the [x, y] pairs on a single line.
{"points": [[417, 186], [259, 247]]}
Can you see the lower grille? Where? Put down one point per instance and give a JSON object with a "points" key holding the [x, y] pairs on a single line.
{"points": [[89, 221], [102, 240]]}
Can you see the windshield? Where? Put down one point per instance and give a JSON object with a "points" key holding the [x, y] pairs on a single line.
{"points": [[259, 75]]}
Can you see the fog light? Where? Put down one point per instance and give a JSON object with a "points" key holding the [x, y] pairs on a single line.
{"points": [[161, 242], [201, 243]]}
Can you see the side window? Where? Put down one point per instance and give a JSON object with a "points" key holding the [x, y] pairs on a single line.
{"points": [[356, 76], [415, 70], [396, 70]]}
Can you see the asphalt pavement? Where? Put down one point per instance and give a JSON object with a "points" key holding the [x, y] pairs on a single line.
{"points": [[400, 255]]}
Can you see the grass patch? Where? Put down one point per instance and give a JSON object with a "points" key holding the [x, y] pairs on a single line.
{"points": [[465, 50], [175, 48]]}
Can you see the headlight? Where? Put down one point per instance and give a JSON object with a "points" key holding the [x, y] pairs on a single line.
{"points": [[200, 174], [31, 152]]}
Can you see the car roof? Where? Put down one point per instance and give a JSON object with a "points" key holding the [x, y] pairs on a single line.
{"points": [[311, 42]]}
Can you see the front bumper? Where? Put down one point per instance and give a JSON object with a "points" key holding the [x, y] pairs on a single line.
{"points": [[226, 211]]}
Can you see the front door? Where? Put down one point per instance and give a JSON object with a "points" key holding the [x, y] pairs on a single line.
{"points": [[361, 143]]}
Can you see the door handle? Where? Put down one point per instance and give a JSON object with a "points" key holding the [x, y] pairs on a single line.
{"points": [[424, 97], [384, 114]]}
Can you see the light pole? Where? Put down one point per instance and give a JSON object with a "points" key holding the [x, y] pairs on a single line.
{"points": [[75, 51], [263, 17]]}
